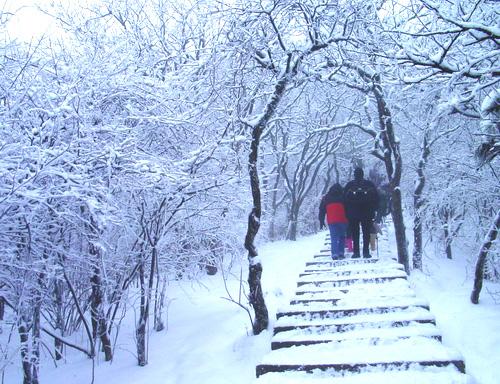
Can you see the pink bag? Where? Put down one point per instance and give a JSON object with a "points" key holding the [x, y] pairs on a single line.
{"points": [[348, 242]]}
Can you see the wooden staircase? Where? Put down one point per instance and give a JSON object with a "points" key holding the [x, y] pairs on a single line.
{"points": [[357, 321]]}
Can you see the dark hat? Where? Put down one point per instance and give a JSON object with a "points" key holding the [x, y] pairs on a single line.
{"points": [[358, 173], [336, 189]]}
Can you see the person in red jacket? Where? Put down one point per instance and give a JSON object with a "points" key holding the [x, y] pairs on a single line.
{"points": [[332, 205]]}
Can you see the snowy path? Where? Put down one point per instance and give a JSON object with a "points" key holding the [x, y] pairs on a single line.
{"points": [[357, 321]]}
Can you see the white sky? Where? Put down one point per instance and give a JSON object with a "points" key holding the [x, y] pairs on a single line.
{"points": [[28, 22]]}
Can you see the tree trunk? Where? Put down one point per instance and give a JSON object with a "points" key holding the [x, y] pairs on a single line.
{"points": [[418, 203], [98, 319], [447, 242], [22, 328], [400, 229], [140, 331], [417, 238], [2, 308], [451, 227], [58, 345], [36, 339], [159, 303], [29, 364], [293, 218], [481, 260], [261, 321], [146, 290], [394, 167], [99, 329]]}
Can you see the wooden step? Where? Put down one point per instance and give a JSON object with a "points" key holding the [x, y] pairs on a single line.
{"points": [[353, 357], [374, 336], [356, 303], [304, 301], [324, 260], [349, 263], [412, 375], [339, 267], [337, 313], [374, 341], [358, 367], [358, 279], [397, 286], [343, 327], [348, 256], [334, 298], [349, 272]]}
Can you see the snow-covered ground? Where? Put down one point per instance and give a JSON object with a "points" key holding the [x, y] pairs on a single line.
{"points": [[208, 337], [474, 330]]}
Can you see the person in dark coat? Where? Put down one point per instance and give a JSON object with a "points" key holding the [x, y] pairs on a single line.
{"points": [[361, 202], [332, 206], [384, 205]]}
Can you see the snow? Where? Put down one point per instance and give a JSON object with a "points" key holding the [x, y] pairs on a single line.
{"points": [[357, 303], [362, 351], [208, 341], [416, 329], [417, 376], [472, 329], [491, 102], [374, 275], [410, 314]]}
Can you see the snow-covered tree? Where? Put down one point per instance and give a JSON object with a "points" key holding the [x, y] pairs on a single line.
{"points": [[455, 44]]}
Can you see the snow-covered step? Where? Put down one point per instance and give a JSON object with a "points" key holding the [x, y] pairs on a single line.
{"points": [[356, 289], [357, 263], [354, 301], [399, 283], [346, 304], [326, 310], [335, 313], [327, 260], [362, 278], [355, 356], [334, 296], [352, 268], [397, 318], [327, 297], [347, 264], [413, 375], [328, 251], [373, 268], [374, 335], [327, 254]]}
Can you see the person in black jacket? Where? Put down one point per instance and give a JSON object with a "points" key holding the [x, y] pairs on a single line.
{"points": [[361, 202]]}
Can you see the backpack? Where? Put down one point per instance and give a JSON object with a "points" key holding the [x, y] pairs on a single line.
{"points": [[360, 193]]}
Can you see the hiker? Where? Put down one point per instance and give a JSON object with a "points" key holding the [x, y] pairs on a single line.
{"points": [[384, 206], [361, 202], [332, 205]]}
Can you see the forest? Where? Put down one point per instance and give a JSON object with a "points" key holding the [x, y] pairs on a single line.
{"points": [[154, 140]]}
